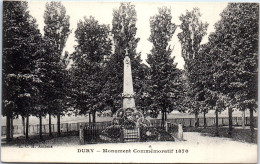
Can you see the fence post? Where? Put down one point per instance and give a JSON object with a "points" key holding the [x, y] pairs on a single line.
{"points": [[190, 122], [81, 135], [77, 126], [180, 132], [222, 121], [139, 136], [67, 127]]}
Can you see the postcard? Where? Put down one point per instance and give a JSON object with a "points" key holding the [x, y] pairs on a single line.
{"points": [[121, 82]]}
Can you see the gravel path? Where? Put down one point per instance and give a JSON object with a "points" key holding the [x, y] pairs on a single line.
{"points": [[196, 148]]}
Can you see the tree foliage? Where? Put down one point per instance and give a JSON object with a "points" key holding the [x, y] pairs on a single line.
{"points": [[233, 50], [21, 52], [163, 88], [94, 44], [193, 31], [56, 32]]}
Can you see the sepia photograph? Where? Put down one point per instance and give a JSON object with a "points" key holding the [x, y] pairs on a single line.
{"points": [[129, 82]]}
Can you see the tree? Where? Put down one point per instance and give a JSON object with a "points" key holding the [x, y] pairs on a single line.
{"points": [[193, 30], [208, 76], [93, 46], [234, 46], [162, 69], [56, 32], [20, 53], [124, 38]]}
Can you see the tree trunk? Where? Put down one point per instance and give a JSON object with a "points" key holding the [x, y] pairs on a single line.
{"points": [[27, 127], [12, 127], [94, 117], [162, 125], [165, 116], [8, 127], [204, 118], [50, 134], [230, 121], [58, 124], [23, 122], [243, 119], [89, 118], [252, 124], [40, 131], [196, 119], [217, 132]]}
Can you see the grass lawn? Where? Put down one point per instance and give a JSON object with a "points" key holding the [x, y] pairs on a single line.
{"points": [[242, 135]]}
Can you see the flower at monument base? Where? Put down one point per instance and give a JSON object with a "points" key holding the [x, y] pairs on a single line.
{"points": [[148, 133]]}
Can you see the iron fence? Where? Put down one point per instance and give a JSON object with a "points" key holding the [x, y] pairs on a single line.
{"points": [[99, 132], [35, 129], [211, 121], [114, 133]]}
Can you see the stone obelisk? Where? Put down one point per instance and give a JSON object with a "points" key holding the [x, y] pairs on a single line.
{"points": [[128, 91]]}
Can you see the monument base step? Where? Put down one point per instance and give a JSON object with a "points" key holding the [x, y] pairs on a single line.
{"points": [[131, 139]]}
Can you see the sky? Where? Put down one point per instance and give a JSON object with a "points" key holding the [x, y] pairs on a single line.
{"points": [[103, 12]]}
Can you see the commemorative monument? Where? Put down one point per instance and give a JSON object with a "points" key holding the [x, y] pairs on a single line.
{"points": [[129, 123], [128, 114]]}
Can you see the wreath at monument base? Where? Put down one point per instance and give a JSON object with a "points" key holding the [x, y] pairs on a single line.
{"points": [[143, 122], [129, 124]]}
